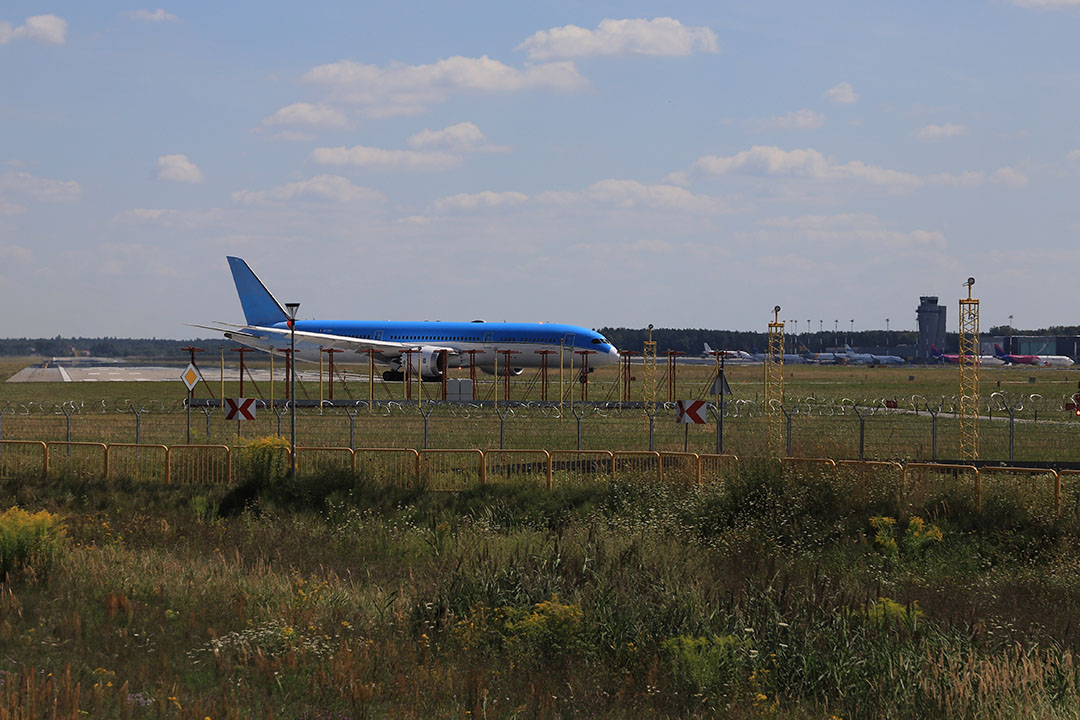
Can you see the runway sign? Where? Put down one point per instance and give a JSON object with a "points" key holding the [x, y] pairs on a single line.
{"points": [[691, 411], [239, 408]]}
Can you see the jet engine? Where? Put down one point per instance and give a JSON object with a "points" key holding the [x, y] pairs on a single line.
{"points": [[430, 362]]}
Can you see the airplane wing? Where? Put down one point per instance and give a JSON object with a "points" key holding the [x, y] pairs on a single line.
{"points": [[329, 340]]}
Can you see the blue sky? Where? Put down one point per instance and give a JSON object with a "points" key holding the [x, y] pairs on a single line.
{"points": [[686, 164]]}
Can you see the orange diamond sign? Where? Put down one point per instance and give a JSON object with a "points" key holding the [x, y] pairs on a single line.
{"points": [[190, 376]]}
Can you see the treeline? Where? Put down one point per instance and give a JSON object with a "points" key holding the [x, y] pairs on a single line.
{"points": [[686, 340], [106, 347], [692, 340]]}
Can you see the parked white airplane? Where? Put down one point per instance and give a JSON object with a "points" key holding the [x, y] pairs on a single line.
{"points": [[729, 355], [855, 358]]}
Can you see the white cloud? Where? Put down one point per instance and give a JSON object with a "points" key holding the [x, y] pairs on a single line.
{"points": [[15, 253], [152, 16], [797, 120], [319, 116], [410, 89], [462, 137], [966, 178], [321, 188], [630, 194], [486, 199], [842, 94], [152, 214], [939, 132], [1010, 177], [361, 156], [10, 209], [809, 163], [177, 168], [43, 28], [659, 36], [1007, 176], [41, 189], [852, 229]]}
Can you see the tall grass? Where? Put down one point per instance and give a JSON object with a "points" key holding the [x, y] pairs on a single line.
{"points": [[339, 596]]}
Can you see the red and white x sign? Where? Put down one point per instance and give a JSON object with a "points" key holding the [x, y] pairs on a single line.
{"points": [[239, 408], [691, 411]]}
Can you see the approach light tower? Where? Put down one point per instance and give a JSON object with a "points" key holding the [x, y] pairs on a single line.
{"points": [[969, 375], [648, 361], [774, 381]]}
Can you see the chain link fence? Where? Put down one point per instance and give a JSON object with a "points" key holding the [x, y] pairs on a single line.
{"points": [[1020, 428]]}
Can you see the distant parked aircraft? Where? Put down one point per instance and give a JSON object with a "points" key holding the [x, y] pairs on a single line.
{"points": [[1040, 360], [987, 360], [855, 358], [823, 358], [789, 358], [729, 355]]}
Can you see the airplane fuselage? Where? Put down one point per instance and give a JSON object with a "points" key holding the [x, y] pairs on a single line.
{"points": [[488, 345]]}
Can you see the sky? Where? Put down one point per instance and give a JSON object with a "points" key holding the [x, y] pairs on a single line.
{"points": [[684, 164]]}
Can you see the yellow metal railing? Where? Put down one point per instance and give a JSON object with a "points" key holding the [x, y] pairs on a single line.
{"points": [[454, 469]]}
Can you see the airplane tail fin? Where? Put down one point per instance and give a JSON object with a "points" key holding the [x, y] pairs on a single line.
{"points": [[935, 352], [260, 307], [998, 351], [708, 349]]}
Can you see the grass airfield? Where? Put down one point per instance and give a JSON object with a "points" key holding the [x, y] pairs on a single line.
{"points": [[333, 596]]}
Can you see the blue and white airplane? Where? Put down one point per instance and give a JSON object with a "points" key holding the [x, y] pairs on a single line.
{"points": [[266, 328]]}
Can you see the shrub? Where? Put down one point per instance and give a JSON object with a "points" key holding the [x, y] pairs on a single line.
{"points": [[713, 665], [28, 540], [264, 459]]}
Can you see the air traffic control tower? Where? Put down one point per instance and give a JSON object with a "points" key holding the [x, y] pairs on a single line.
{"points": [[931, 327]]}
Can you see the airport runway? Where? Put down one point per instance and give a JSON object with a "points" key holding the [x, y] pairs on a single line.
{"points": [[147, 373]]}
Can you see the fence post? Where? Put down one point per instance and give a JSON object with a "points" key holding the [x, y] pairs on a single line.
{"points": [[426, 415], [207, 410], [68, 408], [1012, 419], [580, 416], [787, 422], [933, 431], [279, 412], [138, 421], [351, 412], [502, 412], [719, 412], [862, 432], [651, 414]]}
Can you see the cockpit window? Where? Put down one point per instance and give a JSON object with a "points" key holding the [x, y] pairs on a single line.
{"points": [[599, 341]]}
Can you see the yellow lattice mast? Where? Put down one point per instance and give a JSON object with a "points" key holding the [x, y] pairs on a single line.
{"points": [[774, 380], [969, 375], [649, 369]]}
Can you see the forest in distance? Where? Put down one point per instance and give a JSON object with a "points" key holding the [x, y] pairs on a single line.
{"points": [[690, 341]]}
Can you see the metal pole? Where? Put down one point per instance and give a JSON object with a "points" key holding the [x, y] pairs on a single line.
{"points": [[292, 307]]}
